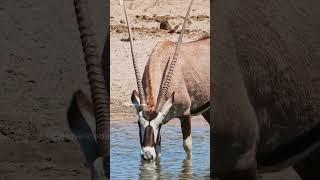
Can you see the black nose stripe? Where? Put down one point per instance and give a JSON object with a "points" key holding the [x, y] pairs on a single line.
{"points": [[148, 139]]}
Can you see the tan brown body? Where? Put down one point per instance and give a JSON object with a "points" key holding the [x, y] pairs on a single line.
{"points": [[188, 93], [191, 78]]}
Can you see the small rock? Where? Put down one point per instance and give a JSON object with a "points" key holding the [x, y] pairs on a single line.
{"points": [[145, 17], [171, 31], [186, 31], [165, 25], [66, 139], [127, 39], [19, 28], [85, 165], [31, 81], [10, 71], [119, 31], [76, 171], [176, 27]]}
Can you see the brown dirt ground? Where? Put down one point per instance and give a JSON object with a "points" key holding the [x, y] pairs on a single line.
{"points": [[41, 65], [145, 17]]}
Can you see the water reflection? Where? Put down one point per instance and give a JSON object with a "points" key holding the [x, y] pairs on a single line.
{"points": [[152, 170], [149, 170], [186, 170]]}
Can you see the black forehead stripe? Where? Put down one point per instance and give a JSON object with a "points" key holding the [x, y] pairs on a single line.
{"points": [[149, 115]]}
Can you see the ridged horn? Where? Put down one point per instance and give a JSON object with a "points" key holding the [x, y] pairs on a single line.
{"points": [[95, 75], [143, 103], [167, 78]]}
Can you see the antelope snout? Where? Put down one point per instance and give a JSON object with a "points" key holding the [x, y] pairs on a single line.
{"points": [[148, 156], [148, 153]]}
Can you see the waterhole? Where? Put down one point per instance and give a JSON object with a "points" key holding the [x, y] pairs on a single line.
{"points": [[126, 162]]}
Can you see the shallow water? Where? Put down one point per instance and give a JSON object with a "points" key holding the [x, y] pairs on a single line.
{"points": [[127, 164]]}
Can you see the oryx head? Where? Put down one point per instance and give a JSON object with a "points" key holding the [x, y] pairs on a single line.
{"points": [[150, 120]]}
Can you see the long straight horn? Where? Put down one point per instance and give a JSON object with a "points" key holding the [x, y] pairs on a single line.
{"points": [[169, 72], [96, 80], [135, 65]]}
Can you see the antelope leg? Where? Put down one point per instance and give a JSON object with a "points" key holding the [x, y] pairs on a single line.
{"points": [[186, 133]]}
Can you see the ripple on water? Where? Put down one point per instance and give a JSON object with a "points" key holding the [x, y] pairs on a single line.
{"points": [[127, 164]]}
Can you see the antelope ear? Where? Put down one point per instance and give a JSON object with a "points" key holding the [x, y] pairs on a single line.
{"points": [[135, 99], [167, 105]]}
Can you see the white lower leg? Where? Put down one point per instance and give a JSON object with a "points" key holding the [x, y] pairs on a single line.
{"points": [[187, 145]]}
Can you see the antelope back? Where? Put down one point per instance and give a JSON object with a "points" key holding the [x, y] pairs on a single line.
{"points": [[191, 78]]}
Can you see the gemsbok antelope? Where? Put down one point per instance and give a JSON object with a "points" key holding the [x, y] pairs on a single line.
{"points": [[182, 89]]}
